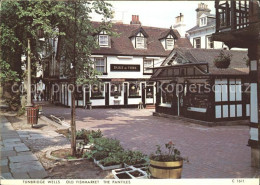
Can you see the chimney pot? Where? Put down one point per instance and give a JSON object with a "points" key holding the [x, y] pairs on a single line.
{"points": [[135, 19]]}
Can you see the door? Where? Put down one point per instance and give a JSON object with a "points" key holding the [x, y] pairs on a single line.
{"points": [[143, 94], [125, 93], [107, 94]]}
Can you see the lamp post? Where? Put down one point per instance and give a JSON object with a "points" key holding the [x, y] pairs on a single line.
{"points": [[29, 96]]}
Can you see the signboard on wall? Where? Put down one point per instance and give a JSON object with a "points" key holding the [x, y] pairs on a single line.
{"points": [[124, 67]]}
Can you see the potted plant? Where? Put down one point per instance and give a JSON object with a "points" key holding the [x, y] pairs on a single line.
{"points": [[166, 165], [222, 60]]}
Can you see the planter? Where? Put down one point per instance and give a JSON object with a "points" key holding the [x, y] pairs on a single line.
{"points": [[222, 64], [129, 173], [166, 170], [109, 167], [122, 170]]}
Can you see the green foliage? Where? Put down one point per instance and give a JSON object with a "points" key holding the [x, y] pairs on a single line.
{"points": [[113, 159], [21, 20], [88, 135], [134, 157], [103, 147], [21, 111], [222, 60], [173, 154]]}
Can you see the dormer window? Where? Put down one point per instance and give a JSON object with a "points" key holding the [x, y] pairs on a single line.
{"points": [[203, 20], [140, 41], [169, 42], [103, 39], [139, 38], [168, 39]]}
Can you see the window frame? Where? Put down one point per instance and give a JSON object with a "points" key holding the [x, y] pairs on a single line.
{"points": [[105, 64], [144, 71], [140, 35], [207, 42], [203, 21], [103, 33], [195, 44], [137, 87]]}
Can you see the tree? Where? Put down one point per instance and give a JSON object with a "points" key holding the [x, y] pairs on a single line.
{"points": [[77, 44], [69, 21]]}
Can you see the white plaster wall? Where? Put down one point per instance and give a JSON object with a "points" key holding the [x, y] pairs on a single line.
{"points": [[253, 103], [134, 60], [98, 102], [134, 101], [202, 34], [254, 134]]}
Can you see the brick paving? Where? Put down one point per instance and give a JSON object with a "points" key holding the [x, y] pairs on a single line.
{"points": [[17, 161], [213, 152]]}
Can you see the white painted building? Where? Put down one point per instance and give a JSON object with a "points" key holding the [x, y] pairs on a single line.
{"points": [[124, 62], [200, 35]]}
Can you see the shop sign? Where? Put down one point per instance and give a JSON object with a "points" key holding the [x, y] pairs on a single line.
{"points": [[124, 67]]}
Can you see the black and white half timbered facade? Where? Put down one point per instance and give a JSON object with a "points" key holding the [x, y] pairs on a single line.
{"points": [[190, 85]]}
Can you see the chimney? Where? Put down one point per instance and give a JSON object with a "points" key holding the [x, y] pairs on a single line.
{"points": [[179, 25], [202, 9], [135, 19]]}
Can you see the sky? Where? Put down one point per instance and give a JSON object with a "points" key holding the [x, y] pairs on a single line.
{"points": [[157, 13]]}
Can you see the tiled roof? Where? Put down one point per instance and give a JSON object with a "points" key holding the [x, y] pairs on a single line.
{"points": [[210, 22], [237, 64], [122, 44]]}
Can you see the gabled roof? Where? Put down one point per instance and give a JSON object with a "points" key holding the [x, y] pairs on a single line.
{"points": [[138, 30], [168, 32], [237, 65], [122, 45]]}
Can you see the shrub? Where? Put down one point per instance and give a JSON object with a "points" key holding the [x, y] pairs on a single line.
{"points": [[222, 60], [88, 135], [134, 157]]}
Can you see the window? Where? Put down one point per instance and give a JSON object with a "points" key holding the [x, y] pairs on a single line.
{"points": [[100, 65], [134, 89], [116, 89], [148, 63], [209, 42], [169, 44], [221, 90], [97, 91], [167, 94], [203, 21], [140, 41], [197, 42], [103, 40], [235, 90], [149, 92]]}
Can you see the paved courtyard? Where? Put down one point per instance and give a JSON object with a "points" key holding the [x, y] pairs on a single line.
{"points": [[17, 160], [213, 152]]}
